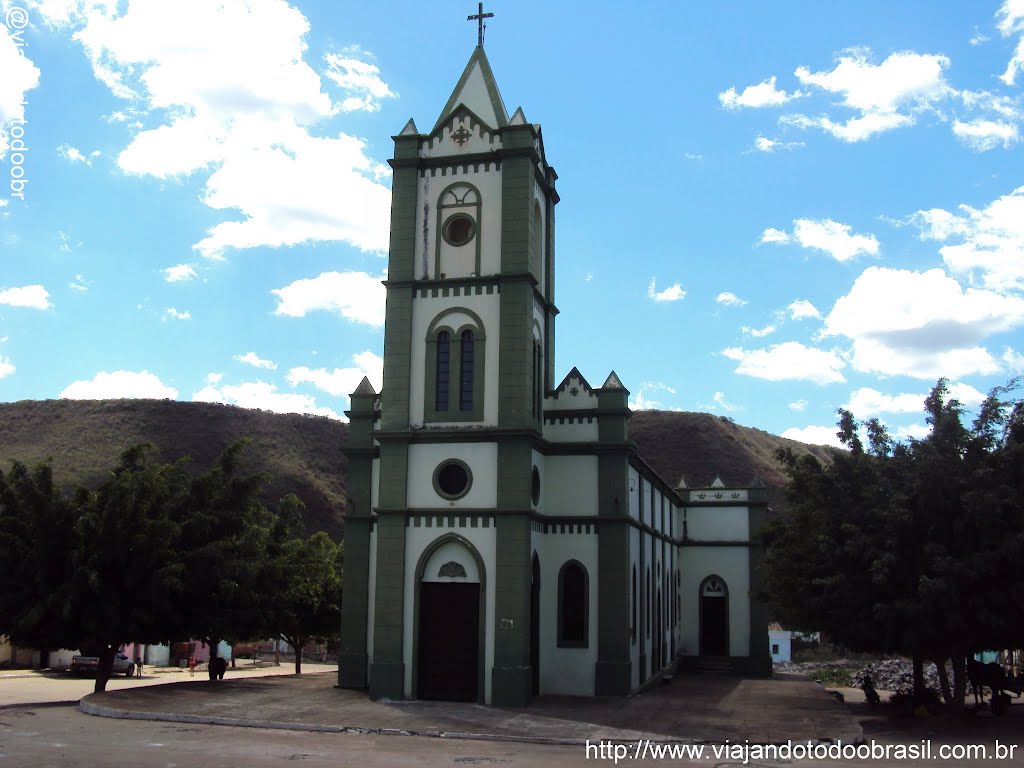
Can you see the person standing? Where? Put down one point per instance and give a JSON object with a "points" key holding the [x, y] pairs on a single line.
{"points": [[138, 666], [192, 665]]}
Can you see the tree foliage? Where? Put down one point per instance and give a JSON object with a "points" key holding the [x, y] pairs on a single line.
{"points": [[151, 554], [910, 548]]}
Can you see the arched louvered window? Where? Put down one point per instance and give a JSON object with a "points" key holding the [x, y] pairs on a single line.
{"points": [[443, 367], [466, 372]]}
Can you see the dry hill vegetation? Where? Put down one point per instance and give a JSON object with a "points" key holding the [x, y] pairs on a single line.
{"points": [[86, 437], [303, 453]]}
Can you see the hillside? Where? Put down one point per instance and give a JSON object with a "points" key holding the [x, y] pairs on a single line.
{"points": [[303, 453], [86, 437]]}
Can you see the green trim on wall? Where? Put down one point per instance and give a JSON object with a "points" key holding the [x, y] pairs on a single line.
{"points": [[515, 348], [421, 565], [512, 677], [387, 671], [760, 659], [352, 656]]}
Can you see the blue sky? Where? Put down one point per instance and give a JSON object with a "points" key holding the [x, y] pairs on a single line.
{"points": [[769, 210]]}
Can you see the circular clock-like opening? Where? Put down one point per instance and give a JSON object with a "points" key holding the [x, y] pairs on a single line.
{"points": [[459, 229], [535, 486], [452, 479]]}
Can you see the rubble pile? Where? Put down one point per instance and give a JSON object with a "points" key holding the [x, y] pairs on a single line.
{"points": [[898, 675]]}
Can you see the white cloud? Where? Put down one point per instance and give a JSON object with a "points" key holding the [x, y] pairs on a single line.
{"points": [[789, 361], [251, 358], [172, 314], [777, 236], [79, 284], [179, 273], [674, 292], [214, 378], [356, 296], [65, 241], [238, 104], [833, 238], [6, 366], [30, 296], [799, 405], [920, 324], [885, 96], [693, 156], [20, 76], [867, 402], [814, 435], [764, 144], [360, 80], [718, 402], [262, 395], [73, 155], [119, 384], [643, 400], [983, 135], [1011, 22], [801, 309], [989, 241], [730, 299], [912, 432], [341, 382], [764, 94], [1013, 360], [758, 333]]}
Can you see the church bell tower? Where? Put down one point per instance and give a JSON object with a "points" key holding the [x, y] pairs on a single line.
{"points": [[449, 441]]}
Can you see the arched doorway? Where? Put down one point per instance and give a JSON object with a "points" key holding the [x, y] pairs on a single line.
{"points": [[714, 617], [535, 625], [450, 631]]}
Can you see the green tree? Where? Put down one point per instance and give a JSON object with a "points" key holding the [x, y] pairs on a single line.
{"points": [[909, 548], [225, 534], [304, 601]]}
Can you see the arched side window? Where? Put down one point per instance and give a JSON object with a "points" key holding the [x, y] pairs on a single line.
{"points": [[573, 603], [443, 371], [454, 367], [466, 371]]}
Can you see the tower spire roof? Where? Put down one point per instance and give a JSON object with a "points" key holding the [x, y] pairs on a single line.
{"points": [[478, 92]]}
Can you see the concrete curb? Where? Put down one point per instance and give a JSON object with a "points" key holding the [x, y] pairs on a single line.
{"points": [[99, 710], [40, 704]]}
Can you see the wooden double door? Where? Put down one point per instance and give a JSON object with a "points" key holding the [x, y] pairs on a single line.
{"points": [[448, 664]]}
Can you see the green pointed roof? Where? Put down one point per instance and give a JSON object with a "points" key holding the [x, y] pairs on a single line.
{"points": [[478, 91]]}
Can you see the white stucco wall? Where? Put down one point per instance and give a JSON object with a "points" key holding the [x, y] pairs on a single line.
{"points": [[482, 460], [718, 523], [488, 226], [732, 564], [567, 671], [417, 541], [424, 312], [583, 399], [567, 432], [571, 485], [634, 559], [634, 494]]}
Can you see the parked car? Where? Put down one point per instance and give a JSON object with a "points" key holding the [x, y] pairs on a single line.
{"points": [[88, 665]]}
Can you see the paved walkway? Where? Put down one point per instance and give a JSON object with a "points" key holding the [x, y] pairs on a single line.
{"points": [[693, 708]]}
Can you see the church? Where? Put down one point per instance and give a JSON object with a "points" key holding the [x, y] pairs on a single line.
{"points": [[503, 539]]}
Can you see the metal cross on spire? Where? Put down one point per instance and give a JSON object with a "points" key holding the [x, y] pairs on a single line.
{"points": [[479, 17]]}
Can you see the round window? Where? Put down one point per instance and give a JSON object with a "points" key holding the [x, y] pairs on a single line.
{"points": [[535, 486], [459, 229], [452, 479]]}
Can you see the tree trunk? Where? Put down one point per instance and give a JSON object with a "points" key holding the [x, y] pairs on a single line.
{"points": [[947, 695], [104, 668], [959, 682], [918, 680], [277, 651], [212, 642]]}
